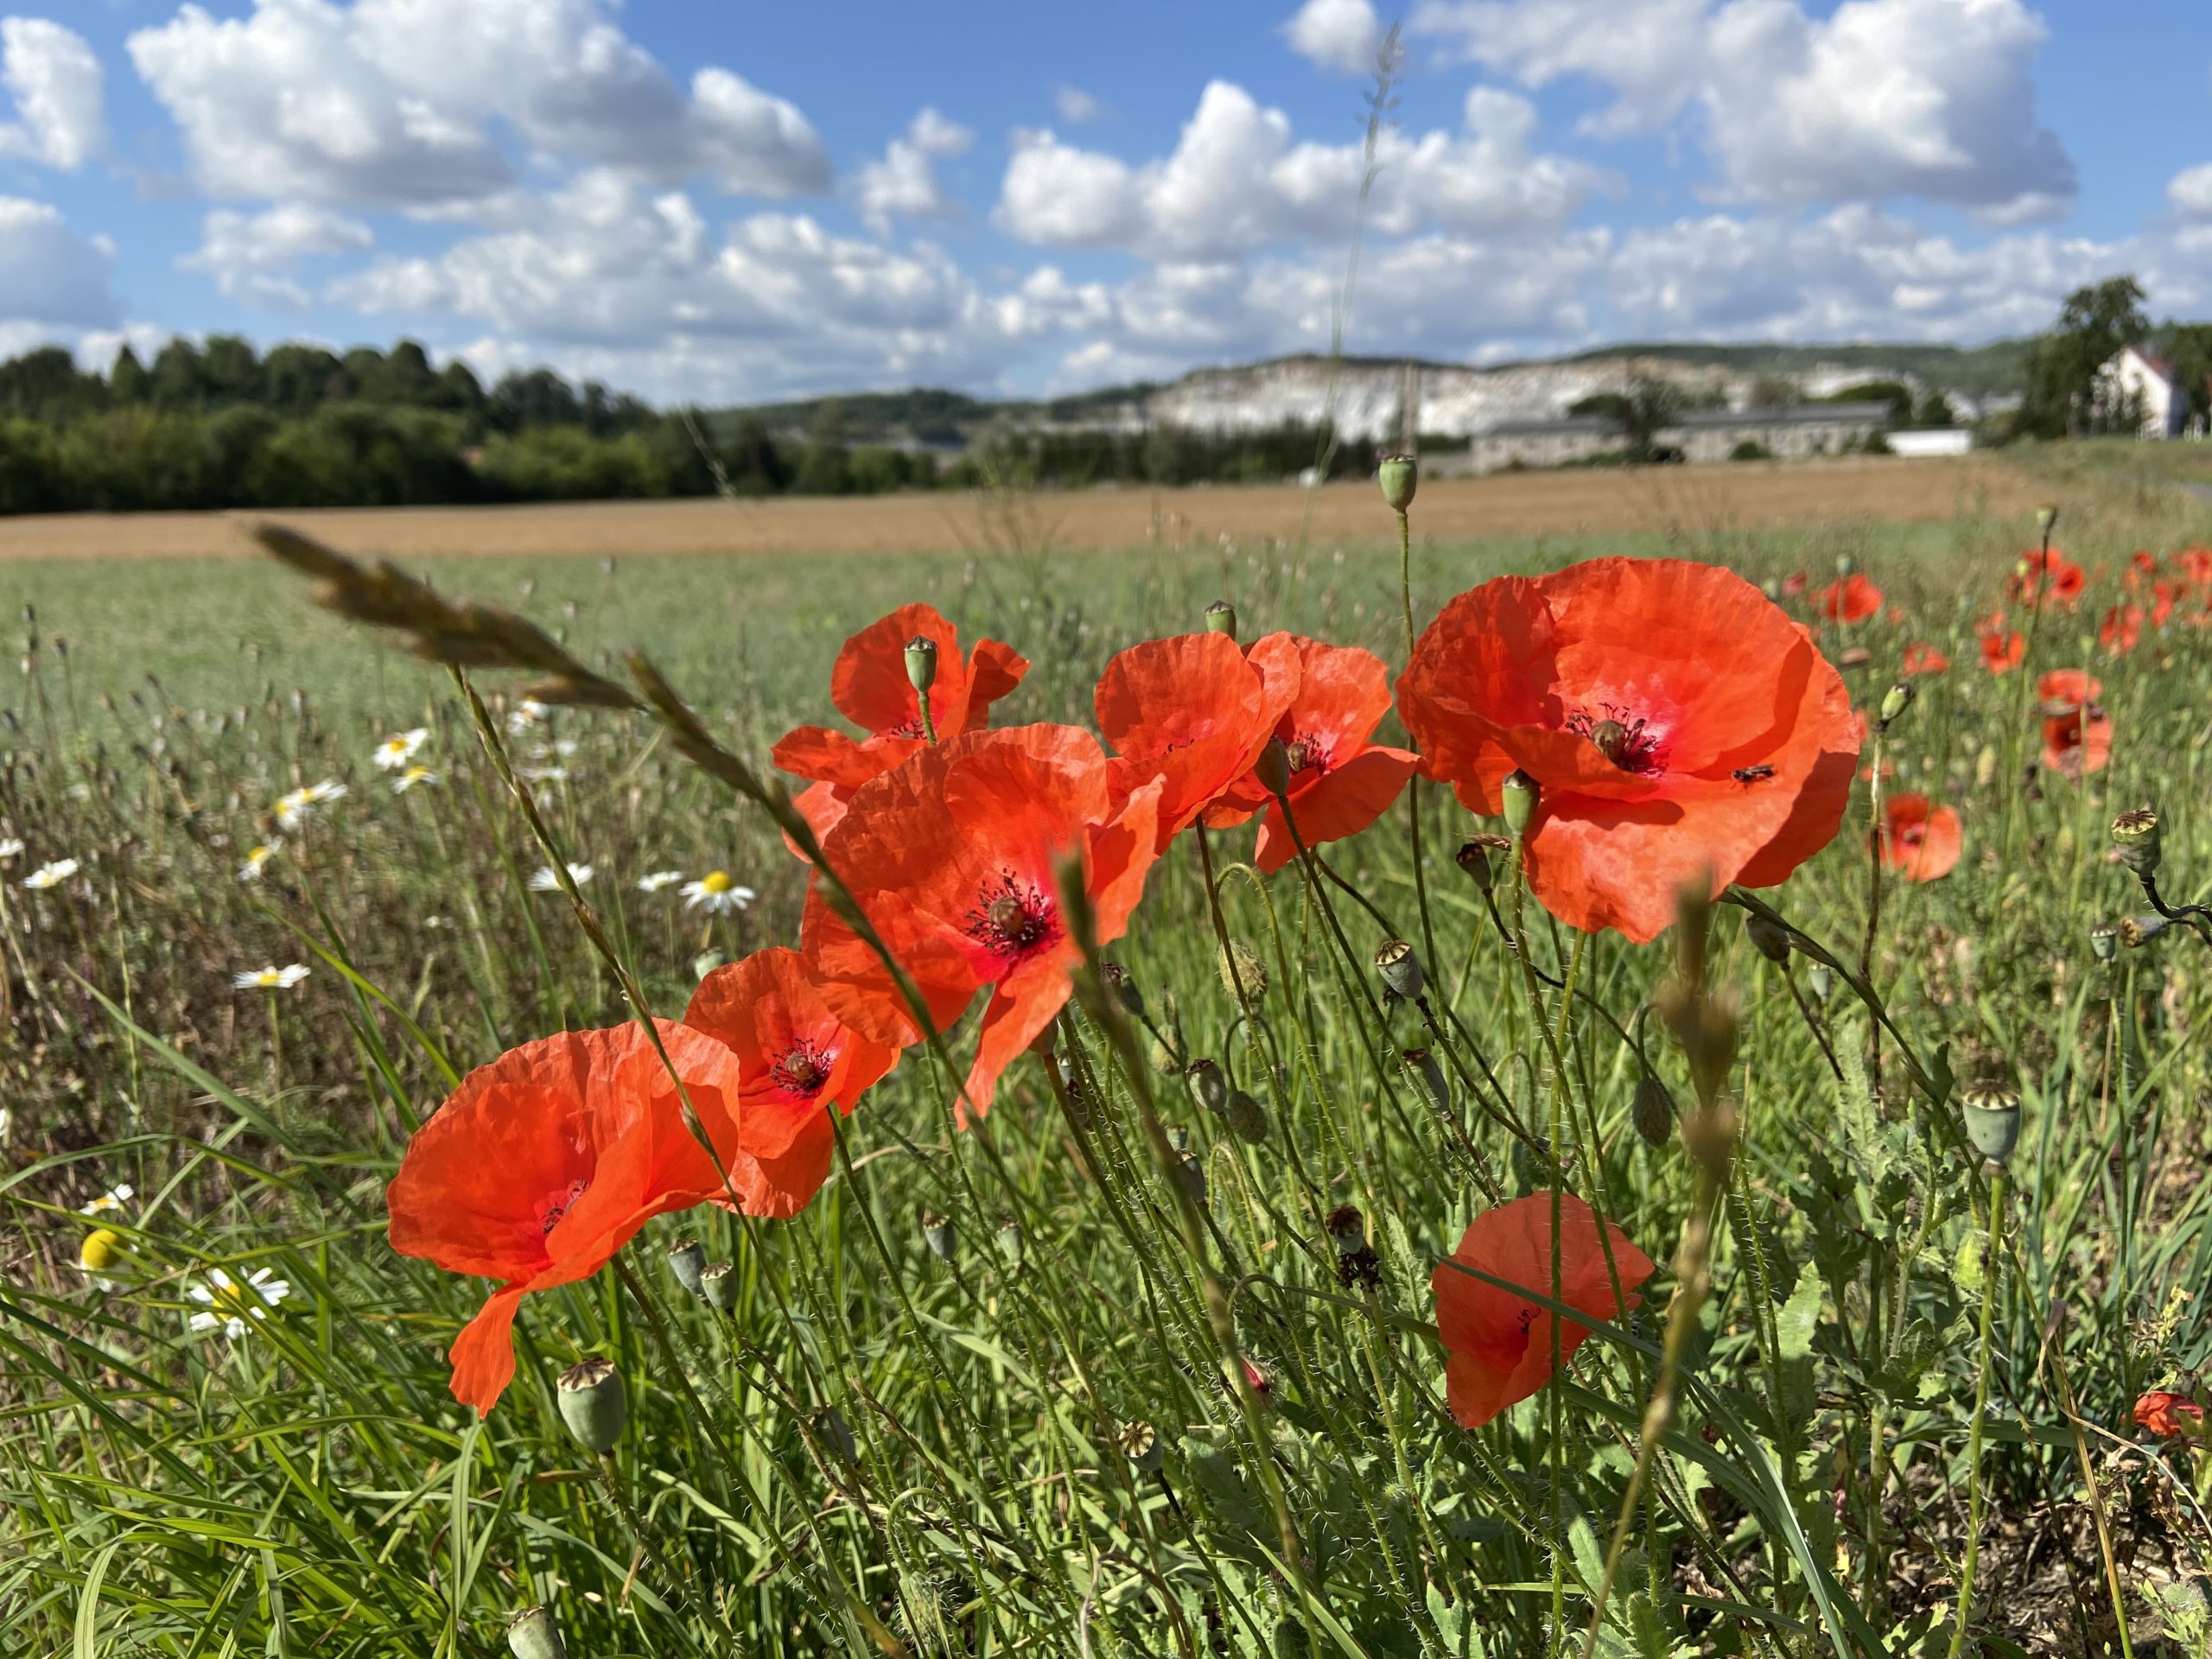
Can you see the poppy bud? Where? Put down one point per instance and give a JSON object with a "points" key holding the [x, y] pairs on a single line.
{"points": [[1846, 566], [921, 663], [1399, 475], [1520, 793], [594, 1404], [1221, 618], [2135, 839], [1273, 768], [1993, 1120], [2136, 932], [1653, 1110], [938, 1232], [1141, 1446], [832, 1430], [1399, 965], [706, 962], [1246, 1117], [1207, 1085], [1241, 974], [1347, 1229], [1897, 700], [531, 1634], [2104, 941], [1124, 987], [1821, 978], [1190, 1175], [687, 1261], [1421, 1062], [2045, 517], [1009, 1242], [1768, 937], [718, 1286]]}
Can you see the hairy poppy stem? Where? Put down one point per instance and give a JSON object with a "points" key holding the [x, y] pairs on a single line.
{"points": [[1991, 1268]]}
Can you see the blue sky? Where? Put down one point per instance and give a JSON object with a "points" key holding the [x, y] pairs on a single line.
{"points": [[697, 199]]}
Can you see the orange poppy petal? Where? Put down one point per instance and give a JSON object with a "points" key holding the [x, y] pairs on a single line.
{"points": [[483, 1355], [1338, 804]]}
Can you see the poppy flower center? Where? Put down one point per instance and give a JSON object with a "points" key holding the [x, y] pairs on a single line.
{"points": [[558, 1203], [1912, 836], [802, 1069], [1622, 736], [1012, 918], [1307, 754]]}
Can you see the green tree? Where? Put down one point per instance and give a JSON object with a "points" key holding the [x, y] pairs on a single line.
{"points": [[128, 381], [824, 469], [2187, 346], [2097, 320]]}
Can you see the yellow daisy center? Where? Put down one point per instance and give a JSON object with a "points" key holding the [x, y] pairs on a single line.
{"points": [[100, 1249], [716, 881]]}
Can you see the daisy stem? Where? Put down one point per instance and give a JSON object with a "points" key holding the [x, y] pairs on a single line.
{"points": [[1990, 1268]]}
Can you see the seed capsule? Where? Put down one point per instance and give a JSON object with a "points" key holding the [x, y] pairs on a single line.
{"points": [[1768, 937], [1347, 1229], [1400, 476], [2104, 941], [718, 1286], [2135, 837], [1206, 1083], [1399, 965], [687, 1261], [1821, 978], [938, 1232], [1993, 1120], [594, 1403], [1247, 1119], [1521, 794], [531, 1634], [1141, 1446], [1897, 700], [1653, 1111], [1123, 984], [1476, 857], [2136, 932], [921, 663], [1221, 618]]}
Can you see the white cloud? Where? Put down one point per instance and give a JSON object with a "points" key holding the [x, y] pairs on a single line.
{"points": [[49, 274], [54, 79], [1884, 98], [2188, 193], [904, 183], [254, 258], [1076, 106], [1341, 35], [1238, 182], [389, 102]]}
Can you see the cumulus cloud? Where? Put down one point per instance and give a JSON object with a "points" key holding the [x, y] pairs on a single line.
{"points": [[55, 79], [388, 102], [1340, 34], [50, 276], [2188, 193], [1239, 179], [904, 184], [1932, 99], [254, 258]]}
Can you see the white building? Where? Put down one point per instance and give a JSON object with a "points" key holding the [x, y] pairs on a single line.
{"points": [[1938, 441], [2140, 389]]}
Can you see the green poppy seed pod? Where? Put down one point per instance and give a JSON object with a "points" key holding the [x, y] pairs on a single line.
{"points": [[1008, 1240], [1123, 984], [1992, 1119], [1141, 1446], [1221, 618], [706, 962], [938, 1233], [1846, 566], [1477, 857], [1399, 475], [1347, 1229], [718, 1286], [1768, 937], [531, 1634], [1897, 700], [687, 1261], [1273, 768], [1398, 966], [1242, 976], [1653, 1111], [921, 663], [1190, 1175], [594, 1403], [2045, 517], [835, 1433], [2135, 839], [1246, 1117], [2104, 941], [1821, 978], [1520, 793], [1207, 1085], [2136, 932], [1422, 1063]]}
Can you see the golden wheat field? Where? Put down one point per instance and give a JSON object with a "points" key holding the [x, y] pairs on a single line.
{"points": [[1761, 496]]}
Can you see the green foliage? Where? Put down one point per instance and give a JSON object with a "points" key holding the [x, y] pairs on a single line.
{"points": [[2097, 321]]}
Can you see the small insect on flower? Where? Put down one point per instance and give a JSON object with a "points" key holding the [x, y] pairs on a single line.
{"points": [[658, 880], [270, 979], [412, 777], [226, 1304], [110, 1201], [1752, 774], [548, 880], [298, 806], [256, 859], [400, 748], [51, 875], [716, 893]]}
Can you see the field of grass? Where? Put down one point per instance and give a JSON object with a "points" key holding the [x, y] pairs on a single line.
{"points": [[982, 1396]]}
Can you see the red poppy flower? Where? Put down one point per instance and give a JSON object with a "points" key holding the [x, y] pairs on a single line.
{"points": [[2045, 577], [794, 1060], [1921, 658], [2170, 1416], [1498, 1345], [2076, 732], [1678, 724], [2165, 595], [2121, 630], [2002, 650], [1340, 782], [954, 858], [1851, 599], [870, 688], [1194, 712], [1795, 584], [549, 1159], [2196, 564], [2142, 566], [1920, 840]]}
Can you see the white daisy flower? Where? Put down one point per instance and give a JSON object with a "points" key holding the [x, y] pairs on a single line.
{"points": [[250, 870], [716, 893], [526, 714], [227, 1304], [658, 880], [297, 807], [51, 875], [409, 779], [270, 979], [546, 774], [399, 748], [10, 847], [546, 880], [114, 1198]]}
